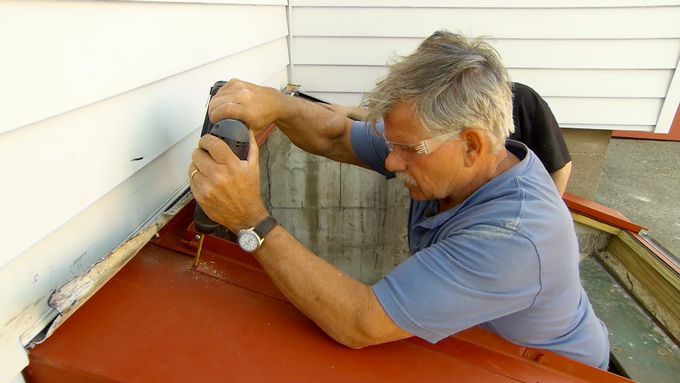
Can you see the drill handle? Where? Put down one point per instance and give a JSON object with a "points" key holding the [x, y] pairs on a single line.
{"points": [[235, 134]]}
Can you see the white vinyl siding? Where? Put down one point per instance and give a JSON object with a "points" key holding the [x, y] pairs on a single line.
{"points": [[484, 3], [600, 64], [80, 155], [103, 104], [97, 50]]}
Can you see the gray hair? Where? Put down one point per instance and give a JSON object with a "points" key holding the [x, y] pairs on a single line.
{"points": [[454, 83]]}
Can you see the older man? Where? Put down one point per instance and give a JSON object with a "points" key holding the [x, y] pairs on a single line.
{"points": [[535, 126], [492, 242]]}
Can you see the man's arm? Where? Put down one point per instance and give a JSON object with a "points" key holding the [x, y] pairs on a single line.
{"points": [[309, 126], [346, 309], [561, 177], [355, 113]]}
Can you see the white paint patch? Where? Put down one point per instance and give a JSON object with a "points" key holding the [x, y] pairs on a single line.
{"points": [[641, 198]]}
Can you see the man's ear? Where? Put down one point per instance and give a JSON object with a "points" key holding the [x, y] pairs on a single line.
{"points": [[474, 145]]}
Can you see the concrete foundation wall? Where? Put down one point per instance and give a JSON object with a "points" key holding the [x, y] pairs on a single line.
{"points": [[354, 218], [588, 149]]}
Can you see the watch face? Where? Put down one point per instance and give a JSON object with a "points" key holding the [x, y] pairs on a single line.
{"points": [[248, 240]]}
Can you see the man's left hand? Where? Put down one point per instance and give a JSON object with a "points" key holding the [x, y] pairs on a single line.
{"points": [[227, 188]]}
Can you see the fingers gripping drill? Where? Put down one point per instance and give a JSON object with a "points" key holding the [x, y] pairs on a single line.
{"points": [[235, 134]]}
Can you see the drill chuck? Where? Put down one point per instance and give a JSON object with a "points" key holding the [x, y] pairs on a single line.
{"points": [[235, 134]]}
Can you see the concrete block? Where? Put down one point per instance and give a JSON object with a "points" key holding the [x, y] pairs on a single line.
{"points": [[587, 140], [366, 188], [300, 224], [590, 240], [299, 179], [361, 242], [397, 195], [588, 149], [362, 187], [319, 230], [366, 243], [374, 242], [586, 174], [395, 238]]}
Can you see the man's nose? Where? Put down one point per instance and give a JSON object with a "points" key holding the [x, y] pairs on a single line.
{"points": [[394, 164]]}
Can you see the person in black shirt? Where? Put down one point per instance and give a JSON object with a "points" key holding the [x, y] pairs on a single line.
{"points": [[535, 126]]}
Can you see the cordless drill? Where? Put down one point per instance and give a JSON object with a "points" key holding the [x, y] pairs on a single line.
{"points": [[235, 134]]}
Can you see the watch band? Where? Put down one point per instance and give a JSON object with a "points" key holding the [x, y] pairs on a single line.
{"points": [[265, 226]]}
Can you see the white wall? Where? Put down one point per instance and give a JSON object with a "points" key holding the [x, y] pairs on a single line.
{"points": [[102, 105], [608, 64]]}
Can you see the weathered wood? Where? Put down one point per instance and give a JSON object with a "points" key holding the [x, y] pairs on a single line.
{"points": [[595, 224], [652, 282], [663, 271], [72, 295], [641, 348]]}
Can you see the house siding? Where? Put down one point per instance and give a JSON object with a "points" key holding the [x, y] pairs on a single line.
{"points": [[107, 100], [620, 56]]}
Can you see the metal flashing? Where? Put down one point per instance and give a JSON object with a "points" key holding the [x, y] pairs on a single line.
{"points": [[600, 213], [159, 319]]}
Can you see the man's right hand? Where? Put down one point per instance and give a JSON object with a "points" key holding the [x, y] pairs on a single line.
{"points": [[256, 106], [309, 126]]}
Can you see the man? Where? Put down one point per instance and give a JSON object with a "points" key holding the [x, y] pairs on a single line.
{"points": [[493, 244], [535, 126]]}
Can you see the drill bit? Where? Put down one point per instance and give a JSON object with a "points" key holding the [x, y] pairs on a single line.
{"points": [[200, 247]]}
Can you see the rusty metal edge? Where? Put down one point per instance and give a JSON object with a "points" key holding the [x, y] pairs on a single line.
{"points": [[600, 213]]}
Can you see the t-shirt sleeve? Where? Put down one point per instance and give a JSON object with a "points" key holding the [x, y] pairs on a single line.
{"points": [[466, 279], [537, 128], [369, 146]]}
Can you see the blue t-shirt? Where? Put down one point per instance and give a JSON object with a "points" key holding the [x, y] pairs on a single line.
{"points": [[506, 259]]}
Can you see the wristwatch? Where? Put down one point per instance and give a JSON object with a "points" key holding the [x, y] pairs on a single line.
{"points": [[251, 239]]}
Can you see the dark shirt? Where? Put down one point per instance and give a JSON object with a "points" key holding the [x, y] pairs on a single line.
{"points": [[536, 127]]}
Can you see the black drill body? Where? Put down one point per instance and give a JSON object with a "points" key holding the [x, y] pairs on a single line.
{"points": [[235, 134]]}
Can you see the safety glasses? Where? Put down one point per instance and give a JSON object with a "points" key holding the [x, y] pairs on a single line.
{"points": [[408, 152]]}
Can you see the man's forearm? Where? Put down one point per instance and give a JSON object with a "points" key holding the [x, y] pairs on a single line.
{"points": [[308, 125], [344, 308], [316, 130], [561, 177]]}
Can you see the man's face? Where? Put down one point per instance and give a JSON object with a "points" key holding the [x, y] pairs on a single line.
{"points": [[435, 176]]}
